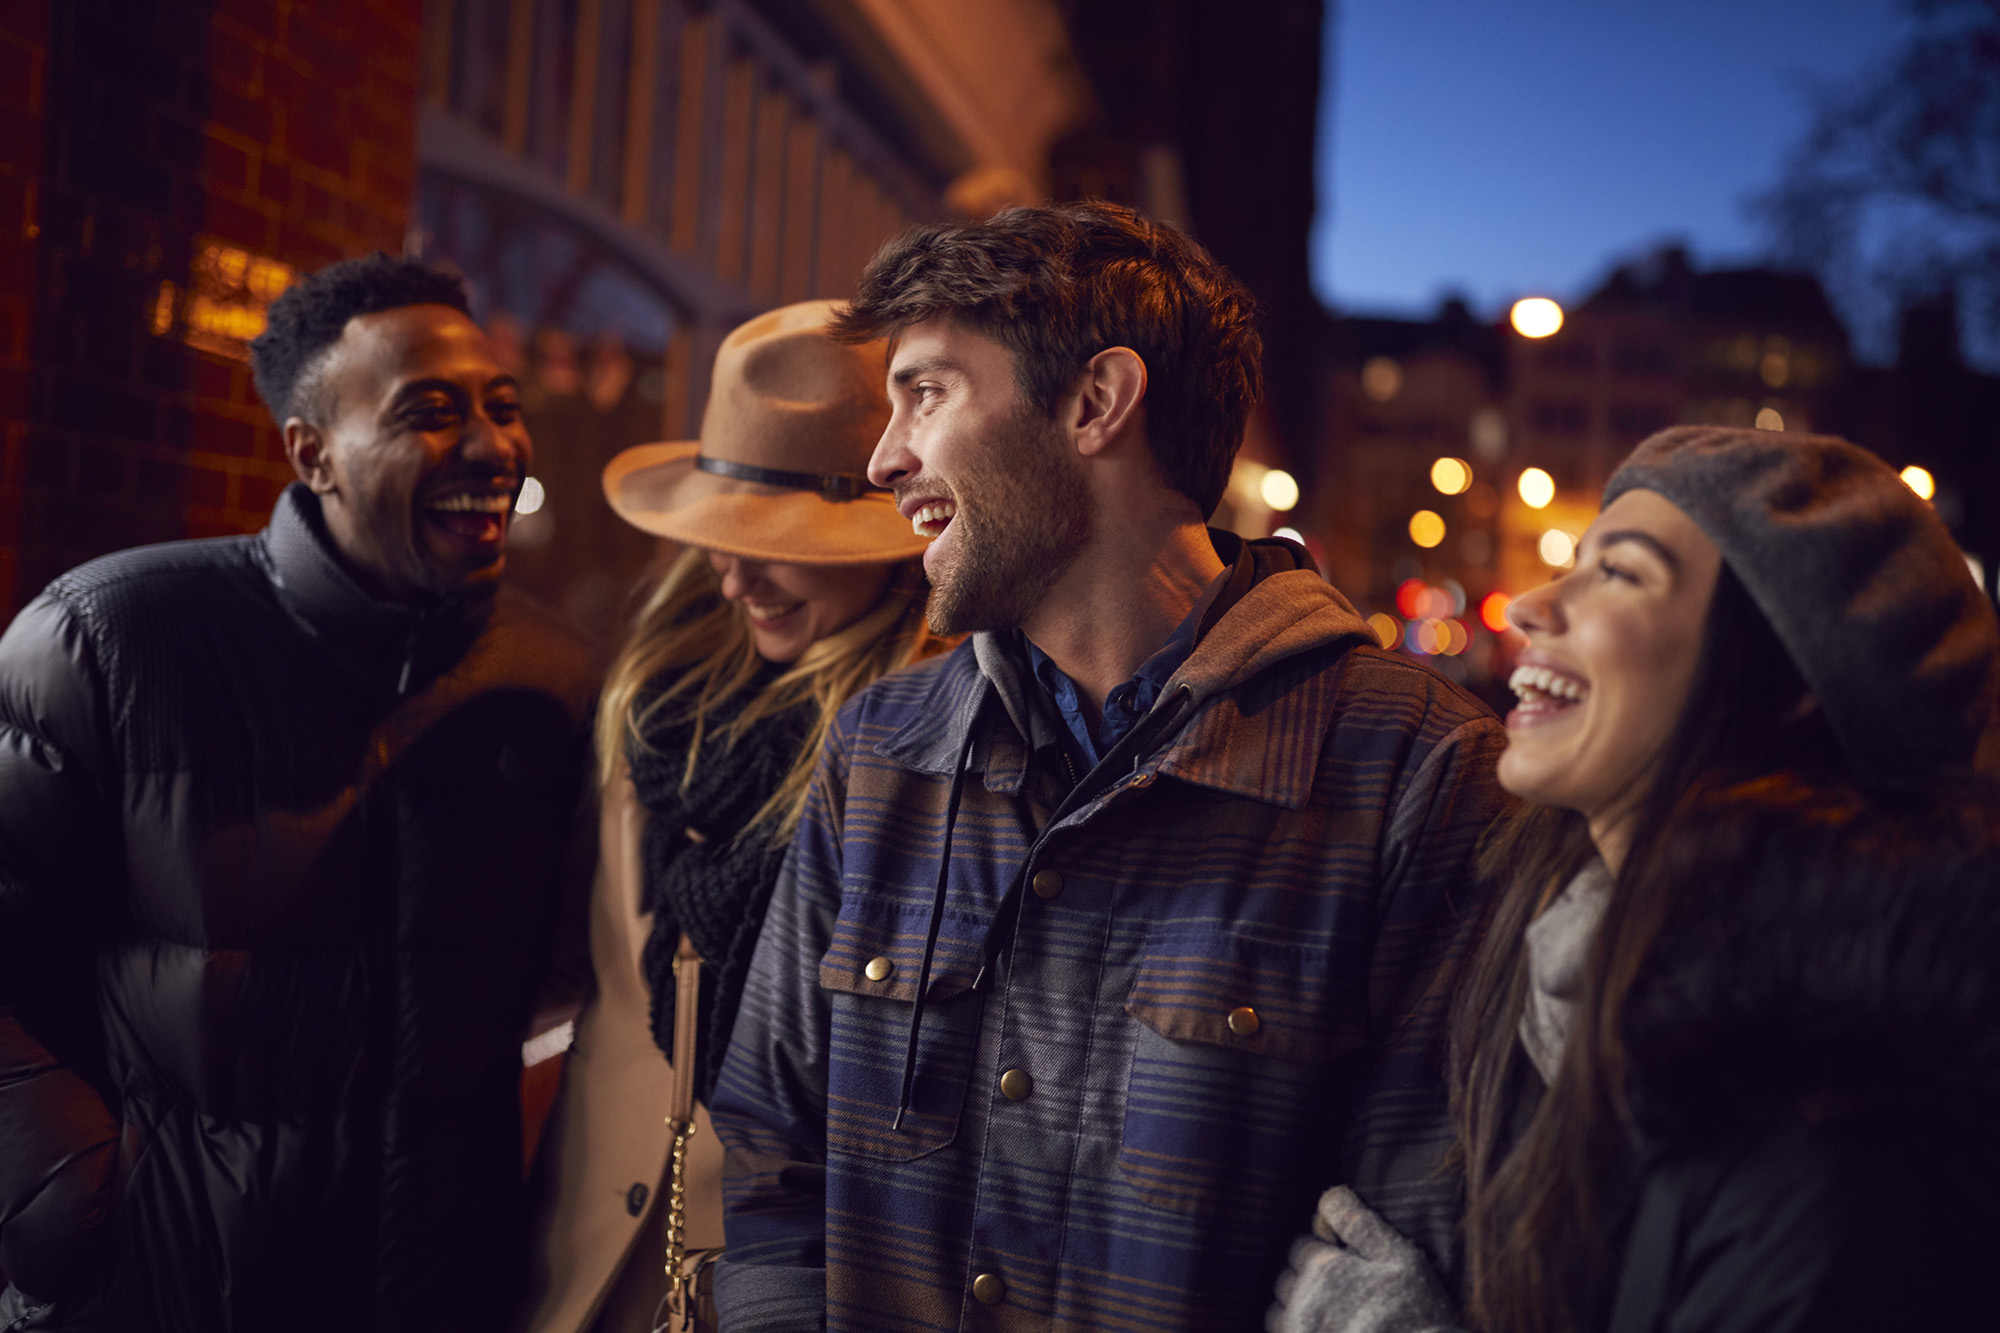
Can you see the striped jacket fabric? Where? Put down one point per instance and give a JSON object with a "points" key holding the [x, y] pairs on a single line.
{"points": [[1222, 990]]}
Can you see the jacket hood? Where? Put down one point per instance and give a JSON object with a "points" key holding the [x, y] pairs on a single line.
{"points": [[1286, 613], [1838, 961]]}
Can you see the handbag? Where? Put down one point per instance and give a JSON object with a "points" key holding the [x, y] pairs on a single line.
{"points": [[689, 1305]]}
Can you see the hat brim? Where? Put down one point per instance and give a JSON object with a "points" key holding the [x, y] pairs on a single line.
{"points": [[656, 489]]}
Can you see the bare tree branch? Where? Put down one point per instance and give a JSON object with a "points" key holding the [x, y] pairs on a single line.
{"points": [[1894, 194]]}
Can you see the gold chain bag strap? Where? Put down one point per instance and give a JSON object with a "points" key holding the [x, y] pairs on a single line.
{"points": [[689, 1299]]}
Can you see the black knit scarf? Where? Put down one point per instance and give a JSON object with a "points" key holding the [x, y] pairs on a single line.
{"points": [[700, 877]]}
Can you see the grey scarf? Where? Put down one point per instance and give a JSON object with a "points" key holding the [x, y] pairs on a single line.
{"points": [[1558, 943]]}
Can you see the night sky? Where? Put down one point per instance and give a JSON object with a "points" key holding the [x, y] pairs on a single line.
{"points": [[1513, 147]]}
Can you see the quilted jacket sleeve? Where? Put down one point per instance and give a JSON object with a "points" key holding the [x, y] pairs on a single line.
{"points": [[58, 852], [770, 1101]]}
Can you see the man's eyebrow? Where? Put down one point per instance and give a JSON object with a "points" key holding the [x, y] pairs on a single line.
{"points": [[928, 366], [1645, 539], [416, 388], [450, 388]]}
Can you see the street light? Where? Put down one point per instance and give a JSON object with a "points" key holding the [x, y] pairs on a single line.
{"points": [[1536, 317], [1537, 488], [1920, 480]]}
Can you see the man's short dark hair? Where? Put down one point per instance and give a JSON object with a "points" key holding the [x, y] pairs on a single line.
{"points": [[309, 318], [1058, 284]]}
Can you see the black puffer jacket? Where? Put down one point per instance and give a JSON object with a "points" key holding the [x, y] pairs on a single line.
{"points": [[1814, 1061], [279, 872]]}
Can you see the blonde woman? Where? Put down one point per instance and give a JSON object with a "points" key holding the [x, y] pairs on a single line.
{"points": [[798, 585]]}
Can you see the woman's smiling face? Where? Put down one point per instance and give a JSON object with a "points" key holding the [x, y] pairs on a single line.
{"points": [[792, 607], [1611, 659]]}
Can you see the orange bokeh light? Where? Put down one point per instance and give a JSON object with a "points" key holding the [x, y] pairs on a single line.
{"points": [[1493, 611]]}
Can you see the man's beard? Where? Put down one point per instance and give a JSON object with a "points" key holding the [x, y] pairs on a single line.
{"points": [[1029, 521]]}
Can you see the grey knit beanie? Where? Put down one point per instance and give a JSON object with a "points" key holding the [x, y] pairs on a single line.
{"points": [[1861, 582]]}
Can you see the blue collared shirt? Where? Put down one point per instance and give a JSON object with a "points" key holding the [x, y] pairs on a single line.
{"points": [[1127, 703]]}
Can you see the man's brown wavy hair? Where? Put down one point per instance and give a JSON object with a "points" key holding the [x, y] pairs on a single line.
{"points": [[1057, 284]]}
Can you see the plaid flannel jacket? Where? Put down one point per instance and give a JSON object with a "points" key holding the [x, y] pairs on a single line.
{"points": [[1223, 991]]}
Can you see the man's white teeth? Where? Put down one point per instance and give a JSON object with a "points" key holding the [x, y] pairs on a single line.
{"points": [[467, 503], [930, 520], [1528, 680]]}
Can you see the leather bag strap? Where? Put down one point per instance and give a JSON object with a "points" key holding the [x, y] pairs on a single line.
{"points": [[687, 1011], [680, 1297]]}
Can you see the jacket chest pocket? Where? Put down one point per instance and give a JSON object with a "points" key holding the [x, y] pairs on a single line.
{"points": [[1231, 1091], [870, 975]]}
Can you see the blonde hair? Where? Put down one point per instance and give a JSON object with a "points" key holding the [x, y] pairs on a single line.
{"points": [[687, 629]]}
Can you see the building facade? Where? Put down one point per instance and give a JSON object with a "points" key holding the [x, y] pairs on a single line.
{"points": [[1461, 460]]}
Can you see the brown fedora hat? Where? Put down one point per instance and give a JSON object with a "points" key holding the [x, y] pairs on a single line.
{"points": [[780, 471]]}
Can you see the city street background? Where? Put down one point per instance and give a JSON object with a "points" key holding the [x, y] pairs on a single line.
{"points": [[1783, 215]]}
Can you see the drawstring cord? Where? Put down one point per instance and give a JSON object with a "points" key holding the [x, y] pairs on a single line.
{"points": [[1138, 745], [411, 643], [937, 913]]}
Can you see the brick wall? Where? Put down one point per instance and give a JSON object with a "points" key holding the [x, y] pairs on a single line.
{"points": [[24, 55], [157, 142]]}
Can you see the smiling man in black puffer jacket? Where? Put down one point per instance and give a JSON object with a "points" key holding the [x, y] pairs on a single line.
{"points": [[285, 822]]}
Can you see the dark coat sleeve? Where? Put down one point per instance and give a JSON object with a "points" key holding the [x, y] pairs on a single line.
{"points": [[1810, 1229], [59, 854]]}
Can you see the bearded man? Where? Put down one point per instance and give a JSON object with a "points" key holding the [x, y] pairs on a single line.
{"points": [[1111, 939], [285, 820]]}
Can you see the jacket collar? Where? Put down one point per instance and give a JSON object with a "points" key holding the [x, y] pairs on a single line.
{"points": [[1254, 728], [401, 648], [931, 741]]}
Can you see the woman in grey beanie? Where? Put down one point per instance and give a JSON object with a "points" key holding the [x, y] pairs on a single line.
{"points": [[1729, 1053]]}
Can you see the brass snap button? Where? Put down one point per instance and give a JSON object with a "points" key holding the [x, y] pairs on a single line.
{"points": [[1016, 1085], [1244, 1021], [988, 1289], [1047, 883], [878, 969]]}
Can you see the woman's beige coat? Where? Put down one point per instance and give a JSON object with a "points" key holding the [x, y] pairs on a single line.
{"points": [[599, 1240]]}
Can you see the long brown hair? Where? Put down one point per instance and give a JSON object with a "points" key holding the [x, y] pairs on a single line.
{"points": [[689, 631], [1535, 1211]]}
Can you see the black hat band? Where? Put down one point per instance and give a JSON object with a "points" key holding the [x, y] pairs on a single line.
{"points": [[836, 486]]}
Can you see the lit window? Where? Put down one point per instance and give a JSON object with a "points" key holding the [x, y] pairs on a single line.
{"points": [[1381, 378], [1451, 475], [1279, 489]]}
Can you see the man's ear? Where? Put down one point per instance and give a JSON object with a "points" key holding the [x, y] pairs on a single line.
{"points": [[1108, 399], [305, 446]]}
